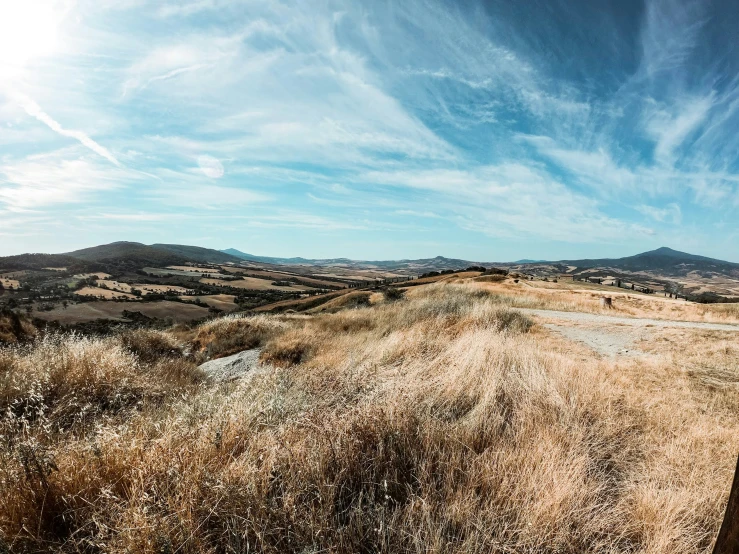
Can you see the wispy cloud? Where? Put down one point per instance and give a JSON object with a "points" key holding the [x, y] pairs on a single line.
{"points": [[34, 110], [476, 124]]}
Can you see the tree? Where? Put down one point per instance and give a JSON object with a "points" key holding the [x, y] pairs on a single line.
{"points": [[674, 288]]}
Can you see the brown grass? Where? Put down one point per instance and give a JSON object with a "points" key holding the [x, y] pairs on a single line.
{"points": [[105, 309], [15, 328], [252, 283], [443, 422], [231, 334]]}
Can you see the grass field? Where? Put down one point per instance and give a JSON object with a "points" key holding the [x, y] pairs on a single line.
{"points": [[445, 421], [90, 311], [145, 288], [223, 302], [99, 275], [251, 283], [10, 283], [107, 294], [192, 269], [281, 276]]}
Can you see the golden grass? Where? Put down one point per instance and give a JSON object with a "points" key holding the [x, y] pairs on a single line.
{"points": [[252, 283], [572, 297], [106, 294], [144, 288], [10, 283], [442, 422]]}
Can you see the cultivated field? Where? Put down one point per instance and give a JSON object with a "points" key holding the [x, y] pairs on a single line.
{"points": [[91, 311], [223, 302], [107, 294], [144, 288], [252, 283], [460, 416], [9, 283], [280, 276]]}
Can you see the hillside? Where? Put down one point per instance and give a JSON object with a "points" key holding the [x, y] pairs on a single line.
{"points": [[664, 260], [199, 254], [462, 417], [128, 255], [40, 261], [419, 266]]}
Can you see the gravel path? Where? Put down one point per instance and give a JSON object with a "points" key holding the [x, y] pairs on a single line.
{"points": [[614, 336]]}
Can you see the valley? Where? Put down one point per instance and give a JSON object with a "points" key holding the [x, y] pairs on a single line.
{"points": [[124, 283]]}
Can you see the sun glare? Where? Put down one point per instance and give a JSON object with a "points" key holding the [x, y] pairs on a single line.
{"points": [[28, 30]]}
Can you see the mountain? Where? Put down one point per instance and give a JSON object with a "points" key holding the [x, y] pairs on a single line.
{"points": [[664, 260], [199, 254], [267, 259], [420, 265], [40, 261], [128, 254]]}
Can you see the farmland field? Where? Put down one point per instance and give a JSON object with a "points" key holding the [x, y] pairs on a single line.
{"points": [[107, 294], [10, 283], [223, 302], [145, 288], [251, 283], [90, 311], [162, 272]]}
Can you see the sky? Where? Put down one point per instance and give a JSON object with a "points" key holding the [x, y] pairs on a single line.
{"points": [[488, 131]]}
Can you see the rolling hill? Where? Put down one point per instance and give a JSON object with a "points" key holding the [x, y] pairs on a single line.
{"points": [[40, 261], [664, 260], [128, 253], [199, 254], [418, 266]]}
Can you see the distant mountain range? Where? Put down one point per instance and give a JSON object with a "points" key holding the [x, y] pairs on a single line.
{"points": [[439, 262], [665, 261], [126, 256]]}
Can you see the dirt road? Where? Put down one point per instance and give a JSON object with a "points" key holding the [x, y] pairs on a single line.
{"points": [[613, 336]]}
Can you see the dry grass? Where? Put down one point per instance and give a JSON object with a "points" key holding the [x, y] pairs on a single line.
{"points": [[439, 423], [144, 288], [15, 328], [231, 334], [573, 297], [106, 294], [10, 283], [252, 283]]}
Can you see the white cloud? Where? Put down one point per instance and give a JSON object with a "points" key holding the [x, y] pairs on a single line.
{"points": [[210, 166], [670, 213], [670, 128], [39, 181], [34, 110]]}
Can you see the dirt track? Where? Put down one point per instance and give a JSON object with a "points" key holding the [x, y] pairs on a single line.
{"points": [[613, 336]]}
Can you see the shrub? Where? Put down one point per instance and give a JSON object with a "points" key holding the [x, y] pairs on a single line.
{"points": [[392, 294]]}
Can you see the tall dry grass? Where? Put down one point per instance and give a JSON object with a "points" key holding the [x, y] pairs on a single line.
{"points": [[443, 422]]}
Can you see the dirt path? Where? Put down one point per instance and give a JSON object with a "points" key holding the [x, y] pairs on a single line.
{"points": [[613, 336]]}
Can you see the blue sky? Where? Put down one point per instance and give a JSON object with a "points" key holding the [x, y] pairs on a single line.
{"points": [[487, 131]]}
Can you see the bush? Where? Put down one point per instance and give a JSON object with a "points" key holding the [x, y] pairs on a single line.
{"points": [[392, 294]]}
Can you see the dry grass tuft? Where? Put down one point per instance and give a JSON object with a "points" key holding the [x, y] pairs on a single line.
{"points": [[231, 334], [445, 422]]}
